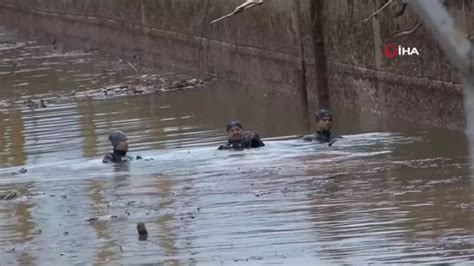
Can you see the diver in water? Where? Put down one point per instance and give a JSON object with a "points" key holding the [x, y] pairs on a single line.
{"points": [[239, 139], [120, 144], [323, 129]]}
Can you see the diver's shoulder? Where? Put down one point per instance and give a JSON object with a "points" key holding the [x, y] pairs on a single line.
{"points": [[256, 141], [108, 158], [310, 137], [224, 146]]}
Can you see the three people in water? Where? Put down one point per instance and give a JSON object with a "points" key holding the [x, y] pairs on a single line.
{"points": [[238, 139]]}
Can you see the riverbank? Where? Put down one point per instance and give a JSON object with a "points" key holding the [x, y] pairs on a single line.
{"points": [[272, 45]]}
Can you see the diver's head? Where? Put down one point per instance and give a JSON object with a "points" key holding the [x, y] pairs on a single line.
{"points": [[234, 130], [323, 120], [119, 140]]}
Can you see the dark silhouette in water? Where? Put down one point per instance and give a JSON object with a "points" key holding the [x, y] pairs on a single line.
{"points": [[142, 232], [120, 148]]}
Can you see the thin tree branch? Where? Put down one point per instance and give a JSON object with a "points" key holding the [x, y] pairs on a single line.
{"points": [[133, 67], [408, 31], [246, 5], [378, 11]]}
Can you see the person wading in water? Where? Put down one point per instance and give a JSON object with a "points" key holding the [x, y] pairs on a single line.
{"points": [[120, 148], [323, 129], [239, 139]]}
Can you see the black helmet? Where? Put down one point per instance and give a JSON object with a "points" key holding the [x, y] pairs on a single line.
{"points": [[116, 137], [233, 124], [322, 114]]}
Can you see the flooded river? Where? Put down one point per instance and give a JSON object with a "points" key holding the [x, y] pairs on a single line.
{"points": [[389, 192]]}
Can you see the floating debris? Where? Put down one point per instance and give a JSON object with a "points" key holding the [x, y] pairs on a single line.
{"points": [[35, 104], [92, 220], [9, 195], [21, 171], [146, 84], [142, 232]]}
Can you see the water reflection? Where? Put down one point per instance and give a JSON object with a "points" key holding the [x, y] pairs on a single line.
{"points": [[167, 238], [17, 139], [107, 249], [19, 222], [88, 128], [12, 141], [3, 154]]}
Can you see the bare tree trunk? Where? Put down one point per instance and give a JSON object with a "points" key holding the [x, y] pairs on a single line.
{"points": [[317, 30], [301, 69]]}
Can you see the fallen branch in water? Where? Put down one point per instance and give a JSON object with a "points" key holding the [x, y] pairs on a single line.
{"points": [[408, 31], [378, 11], [133, 67], [248, 4]]}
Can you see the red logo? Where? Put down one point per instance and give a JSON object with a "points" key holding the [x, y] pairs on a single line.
{"points": [[390, 50]]}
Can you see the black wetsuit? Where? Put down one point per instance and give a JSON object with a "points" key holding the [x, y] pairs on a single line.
{"points": [[118, 157], [322, 136], [250, 142]]}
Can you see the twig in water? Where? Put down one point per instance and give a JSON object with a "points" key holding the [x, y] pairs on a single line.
{"points": [[246, 5], [378, 11], [408, 31], [133, 67]]}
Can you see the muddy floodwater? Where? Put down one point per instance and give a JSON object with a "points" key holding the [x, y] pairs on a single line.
{"points": [[389, 192]]}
